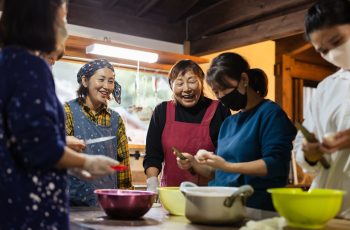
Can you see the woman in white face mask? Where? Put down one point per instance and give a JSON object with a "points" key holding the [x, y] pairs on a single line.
{"points": [[327, 26]]}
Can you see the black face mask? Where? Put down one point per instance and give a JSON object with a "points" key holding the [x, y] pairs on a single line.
{"points": [[234, 100]]}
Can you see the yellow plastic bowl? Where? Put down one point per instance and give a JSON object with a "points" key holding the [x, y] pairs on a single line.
{"points": [[311, 209], [172, 200]]}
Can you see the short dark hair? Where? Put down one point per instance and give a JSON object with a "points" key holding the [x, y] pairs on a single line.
{"points": [[326, 13], [30, 24], [182, 67], [232, 65]]}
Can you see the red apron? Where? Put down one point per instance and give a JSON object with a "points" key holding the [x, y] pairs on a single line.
{"points": [[187, 137]]}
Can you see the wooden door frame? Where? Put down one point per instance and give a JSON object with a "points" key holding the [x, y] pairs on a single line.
{"points": [[294, 69]]}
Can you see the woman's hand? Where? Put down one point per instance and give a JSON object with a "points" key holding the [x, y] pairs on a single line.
{"points": [[185, 164], [340, 140], [152, 184], [202, 154], [75, 143], [81, 174], [212, 160], [99, 165], [312, 151]]}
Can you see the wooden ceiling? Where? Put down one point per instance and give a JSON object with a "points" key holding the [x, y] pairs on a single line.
{"points": [[209, 25], [163, 20]]}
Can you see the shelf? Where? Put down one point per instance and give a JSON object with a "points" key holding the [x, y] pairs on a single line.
{"points": [[136, 146]]}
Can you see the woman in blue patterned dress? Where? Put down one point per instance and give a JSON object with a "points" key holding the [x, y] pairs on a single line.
{"points": [[33, 151]]}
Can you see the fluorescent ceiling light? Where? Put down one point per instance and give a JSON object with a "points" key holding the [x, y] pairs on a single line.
{"points": [[113, 51]]}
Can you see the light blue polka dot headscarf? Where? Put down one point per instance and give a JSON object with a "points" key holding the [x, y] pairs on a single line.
{"points": [[91, 67]]}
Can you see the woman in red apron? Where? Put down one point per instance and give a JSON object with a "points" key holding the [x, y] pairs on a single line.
{"points": [[189, 122]]}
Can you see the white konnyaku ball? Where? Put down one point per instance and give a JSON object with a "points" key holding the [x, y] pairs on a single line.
{"points": [[200, 154], [329, 137]]}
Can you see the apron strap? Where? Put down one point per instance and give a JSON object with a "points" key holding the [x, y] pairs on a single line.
{"points": [[170, 112], [209, 114]]}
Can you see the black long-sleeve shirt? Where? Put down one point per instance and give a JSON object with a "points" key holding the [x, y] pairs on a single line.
{"points": [[154, 148]]}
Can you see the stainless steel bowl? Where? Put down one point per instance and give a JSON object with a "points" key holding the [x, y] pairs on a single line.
{"points": [[125, 204], [215, 205]]}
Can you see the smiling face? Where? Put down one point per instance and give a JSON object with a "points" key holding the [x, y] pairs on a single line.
{"points": [[100, 86], [187, 89]]}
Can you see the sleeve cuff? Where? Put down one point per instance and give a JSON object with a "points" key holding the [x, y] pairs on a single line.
{"points": [[57, 154], [274, 168]]}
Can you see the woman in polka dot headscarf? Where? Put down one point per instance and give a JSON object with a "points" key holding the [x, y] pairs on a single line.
{"points": [[88, 117]]}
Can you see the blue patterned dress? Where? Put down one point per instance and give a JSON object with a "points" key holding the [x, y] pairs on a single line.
{"points": [[33, 192]]}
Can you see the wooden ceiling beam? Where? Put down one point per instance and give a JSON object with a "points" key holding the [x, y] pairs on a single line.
{"points": [[110, 4], [300, 49], [122, 23], [283, 26], [310, 71], [88, 3], [228, 14], [146, 7], [181, 10]]}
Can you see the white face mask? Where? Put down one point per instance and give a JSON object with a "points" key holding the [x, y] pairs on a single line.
{"points": [[339, 56]]}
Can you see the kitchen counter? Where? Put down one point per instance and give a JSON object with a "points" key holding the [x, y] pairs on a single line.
{"points": [[157, 218]]}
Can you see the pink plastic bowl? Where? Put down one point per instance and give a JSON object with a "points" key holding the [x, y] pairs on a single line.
{"points": [[125, 204]]}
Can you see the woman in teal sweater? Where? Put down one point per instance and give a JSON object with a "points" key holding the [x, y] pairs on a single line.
{"points": [[254, 145]]}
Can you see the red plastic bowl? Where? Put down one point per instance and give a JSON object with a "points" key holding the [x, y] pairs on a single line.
{"points": [[125, 204]]}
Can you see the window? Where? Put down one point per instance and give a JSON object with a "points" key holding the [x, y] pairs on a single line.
{"points": [[309, 92]]}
